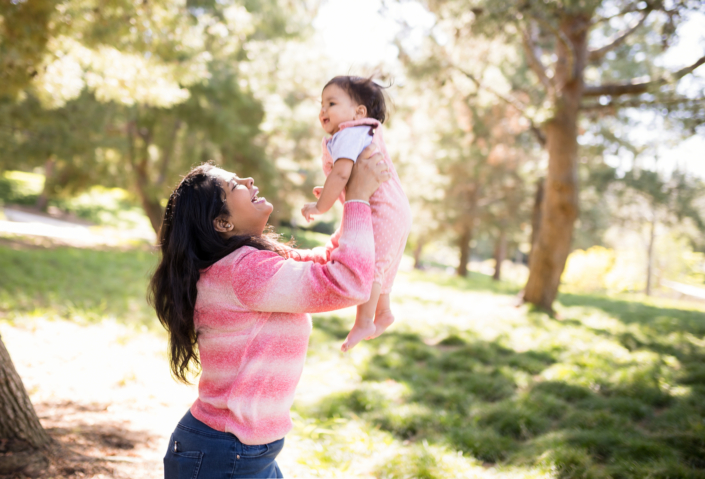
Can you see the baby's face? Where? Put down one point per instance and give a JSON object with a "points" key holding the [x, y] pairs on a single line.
{"points": [[337, 107]]}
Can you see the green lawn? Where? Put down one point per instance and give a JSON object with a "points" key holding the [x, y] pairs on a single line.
{"points": [[465, 384], [83, 285]]}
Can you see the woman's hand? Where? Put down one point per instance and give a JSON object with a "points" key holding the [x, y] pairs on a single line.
{"points": [[370, 171]]}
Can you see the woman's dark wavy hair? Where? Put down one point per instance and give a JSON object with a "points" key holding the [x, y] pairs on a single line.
{"points": [[364, 91], [189, 243]]}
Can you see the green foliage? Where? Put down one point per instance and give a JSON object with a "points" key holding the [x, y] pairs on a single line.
{"points": [[67, 137], [113, 207], [133, 94], [20, 188], [24, 32]]}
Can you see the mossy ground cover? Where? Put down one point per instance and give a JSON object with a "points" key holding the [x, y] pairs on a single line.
{"points": [[465, 384], [613, 389]]}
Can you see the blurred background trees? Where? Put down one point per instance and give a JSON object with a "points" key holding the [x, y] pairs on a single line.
{"points": [[581, 55], [526, 133], [497, 104], [159, 85], [505, 126]]}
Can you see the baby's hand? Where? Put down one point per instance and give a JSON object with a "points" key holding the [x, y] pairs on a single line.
{"points": [[308, 210], [317, 191]]}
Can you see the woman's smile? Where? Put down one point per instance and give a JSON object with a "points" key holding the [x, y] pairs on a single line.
{"points": [[256, 199], [248, 212]]}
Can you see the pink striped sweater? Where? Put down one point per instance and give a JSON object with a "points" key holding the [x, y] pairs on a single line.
{"points": [[253, 325]]}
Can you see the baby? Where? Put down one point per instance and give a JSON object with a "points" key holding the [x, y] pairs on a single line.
{"points": [[353, 110]]}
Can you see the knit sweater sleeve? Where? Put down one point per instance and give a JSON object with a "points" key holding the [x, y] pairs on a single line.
{"points": [[265, 281]]}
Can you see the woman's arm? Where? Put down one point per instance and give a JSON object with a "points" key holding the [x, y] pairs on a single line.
{"points": [[264, 281]]}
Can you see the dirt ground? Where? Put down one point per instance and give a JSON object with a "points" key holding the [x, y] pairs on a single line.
{"points": [[104, 394]]}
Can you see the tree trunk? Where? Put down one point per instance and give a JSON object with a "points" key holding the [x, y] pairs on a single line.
{"points": [[417, 253], [500, 252], [536, 215], [150, 204], [560, 206], [464, 244], [22, 437], [152, 208], [650, 256], [43, 200]]}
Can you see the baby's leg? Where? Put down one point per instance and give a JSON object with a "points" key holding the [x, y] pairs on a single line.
{"points": [[364, 322], [383, 315]]}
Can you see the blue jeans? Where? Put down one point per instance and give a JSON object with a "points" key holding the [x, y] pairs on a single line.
{"points": [[197, 451]]}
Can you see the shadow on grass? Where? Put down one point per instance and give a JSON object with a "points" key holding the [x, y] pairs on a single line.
{"points": [[643, 417]]}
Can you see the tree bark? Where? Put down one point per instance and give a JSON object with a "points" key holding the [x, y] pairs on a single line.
{"points": [[22, 437], [43, 200], [536, 215], [152, 207], [500, 252], [417, 253], [650, 256], [464, 245], [560, 206]]}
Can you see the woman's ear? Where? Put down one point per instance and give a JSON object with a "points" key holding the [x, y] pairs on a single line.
{"points": [[360, 112], [222, 225]]}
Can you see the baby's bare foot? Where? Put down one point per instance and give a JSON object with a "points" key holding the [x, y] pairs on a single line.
{"points": [[358, 332], [383, 320]]}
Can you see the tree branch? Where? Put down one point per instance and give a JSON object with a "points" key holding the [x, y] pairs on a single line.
{"points": [[563, 38], [617, 89], [168, 152], [616, 15], [131, 127], [534, 62], [636, 102], [597, 54], [513, 102]]}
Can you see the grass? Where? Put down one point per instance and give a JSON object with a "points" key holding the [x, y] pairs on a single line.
{"points": [[82, 285], [615, 389], [465, 384]]}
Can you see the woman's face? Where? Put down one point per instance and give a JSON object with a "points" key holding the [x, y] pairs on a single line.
{"points": [[248, 212]]}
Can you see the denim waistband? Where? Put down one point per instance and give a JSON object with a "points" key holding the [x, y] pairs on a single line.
{"points": [[190, 423]]}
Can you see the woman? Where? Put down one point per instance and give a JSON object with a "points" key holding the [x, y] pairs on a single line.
{"points": [[235, 301]]}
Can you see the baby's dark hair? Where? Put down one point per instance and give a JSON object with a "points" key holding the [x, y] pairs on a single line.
{"points": [[364, 91]]}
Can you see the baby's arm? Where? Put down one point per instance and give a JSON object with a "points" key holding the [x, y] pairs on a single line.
{"points": [[335, 183]]}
